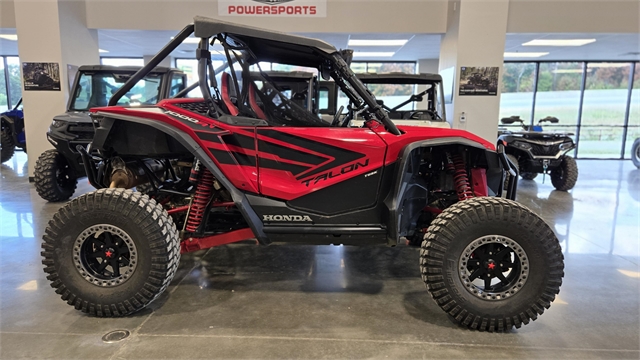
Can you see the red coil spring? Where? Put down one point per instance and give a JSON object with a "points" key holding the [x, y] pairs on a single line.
{"points": [[460, 177], [201, 198]]}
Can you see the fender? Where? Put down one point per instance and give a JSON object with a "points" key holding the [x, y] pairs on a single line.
{"points": [[393, 199], [239, 198]]}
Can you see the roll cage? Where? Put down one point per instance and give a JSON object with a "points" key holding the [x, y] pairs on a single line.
{"points": [[246, 46]]}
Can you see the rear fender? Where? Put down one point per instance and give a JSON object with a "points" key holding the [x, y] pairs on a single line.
{"points": [[102, 136], [409, 190]]}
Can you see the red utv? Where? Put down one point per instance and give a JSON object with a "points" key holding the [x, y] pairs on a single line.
{"points": [[246, 163]]}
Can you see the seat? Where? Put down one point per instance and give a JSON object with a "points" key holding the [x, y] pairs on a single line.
{"points": [[226, 95], [254, 102]]}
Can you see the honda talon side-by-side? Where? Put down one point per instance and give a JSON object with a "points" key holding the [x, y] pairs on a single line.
{"points": [[57, 170], [257, 167], [534, 152]]}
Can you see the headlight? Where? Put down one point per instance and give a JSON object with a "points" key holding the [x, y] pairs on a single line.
{"points": [[58, 123], [566, 145], [522, 145]]}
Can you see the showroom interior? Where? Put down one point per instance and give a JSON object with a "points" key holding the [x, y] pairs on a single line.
{"points": [[326, 177]]}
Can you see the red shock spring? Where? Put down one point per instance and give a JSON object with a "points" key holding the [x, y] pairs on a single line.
{"points": [[201, 199], [460, 177]]}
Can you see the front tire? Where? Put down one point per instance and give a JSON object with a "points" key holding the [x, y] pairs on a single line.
{"points": [[111, 252], [7, 146], [54, 179], [635, 153], [471, 240], [528, 175], [565, 176]]}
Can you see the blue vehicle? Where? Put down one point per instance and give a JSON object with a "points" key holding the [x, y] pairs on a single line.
{"points": [[12, 132]]}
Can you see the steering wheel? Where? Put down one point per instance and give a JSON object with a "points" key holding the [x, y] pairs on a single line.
{"points": [[336, 117]]}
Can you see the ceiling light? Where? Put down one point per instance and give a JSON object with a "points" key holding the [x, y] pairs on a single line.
{"points": [[566, 71], [373, 54], [524, 54], [190, 40], [355, 42], [559, 42], [607, 65], [103, 51], [12, 37]]}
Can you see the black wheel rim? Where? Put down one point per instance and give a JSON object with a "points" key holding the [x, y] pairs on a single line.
{"points": [[105, 255], [493, 267], [63, 175]]}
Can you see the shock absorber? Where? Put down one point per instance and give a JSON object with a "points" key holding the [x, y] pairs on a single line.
{"points": [[201, 198], [455, 165]]}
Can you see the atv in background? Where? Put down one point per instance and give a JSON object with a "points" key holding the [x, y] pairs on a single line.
{"points": [[535, 152], [57, 171], [635, 153], [409, 99], [12, 135], [264, 169]]}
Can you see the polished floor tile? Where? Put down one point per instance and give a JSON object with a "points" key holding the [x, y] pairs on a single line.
{"points": [[242, 301]]}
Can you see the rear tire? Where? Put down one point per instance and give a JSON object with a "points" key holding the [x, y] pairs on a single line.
{"points": [[135, 229], [565, 176], [635, 153], [452, 246], [7, 146], [528, 175], [53, 177]]}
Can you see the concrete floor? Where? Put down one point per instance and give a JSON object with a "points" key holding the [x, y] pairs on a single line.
{"points": [[335, 302]]}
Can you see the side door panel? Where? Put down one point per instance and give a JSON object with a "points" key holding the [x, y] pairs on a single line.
{"points": [[312, 167]]}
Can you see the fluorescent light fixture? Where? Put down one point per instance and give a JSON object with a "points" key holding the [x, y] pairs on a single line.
{"points": [[356, 42], [12, 37], [559, 42], [103, 51], [607, 65], [524, 54], [567, 71], [190, 40], [373, 54]]}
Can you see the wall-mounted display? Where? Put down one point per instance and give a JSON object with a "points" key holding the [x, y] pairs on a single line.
{"points": [[479, 80], [41, 76], [282, 8]]}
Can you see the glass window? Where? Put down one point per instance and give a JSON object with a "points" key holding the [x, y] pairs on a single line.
{"points": [[386, 67], [4, 102], [603, 110], [95, 90], [280, 67], [15, 79], [190, 68], [393, 95], [633, 130], [516, 99], [122, 61], [359, 67], [177, 84], [559, 94]]}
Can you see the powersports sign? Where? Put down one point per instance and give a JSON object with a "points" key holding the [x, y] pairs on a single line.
{"points": [[282, 8]]}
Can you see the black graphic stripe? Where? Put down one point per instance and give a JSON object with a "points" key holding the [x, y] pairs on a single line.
{"points": [[276, 165], [341, 156], [244, 159], [290, 154], [206, 136], [222, 156], [243, 141], [233, 158]]}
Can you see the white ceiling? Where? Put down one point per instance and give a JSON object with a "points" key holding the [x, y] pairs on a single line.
{"points": [[136, 43]]}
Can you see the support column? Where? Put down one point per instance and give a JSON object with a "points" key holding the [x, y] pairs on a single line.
{"points": [[475, 37], [51, 31]]}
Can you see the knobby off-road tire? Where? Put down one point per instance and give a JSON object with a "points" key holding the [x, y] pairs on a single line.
{"points": [[528, 175], [134, 228], [7, 147], [453, 244], [564, 177], [53, 178], [635, 153]]}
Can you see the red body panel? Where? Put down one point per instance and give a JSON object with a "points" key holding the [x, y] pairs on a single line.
{"points": [[289, 162]]}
